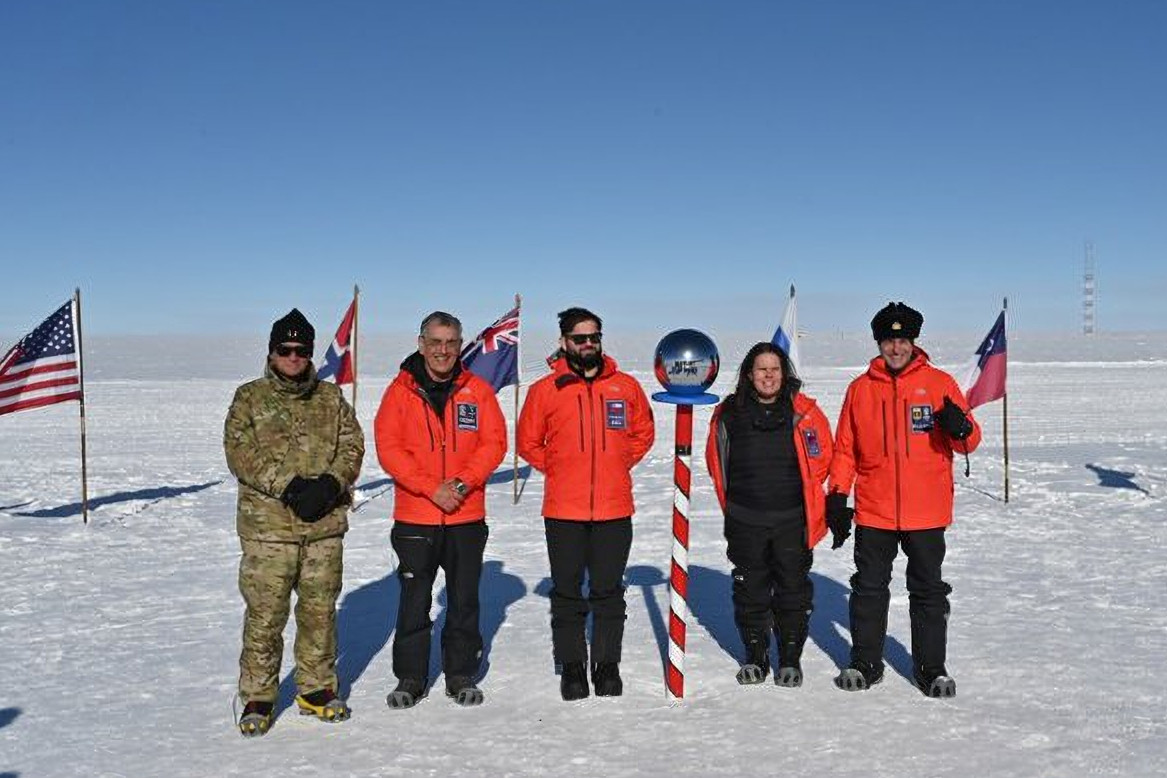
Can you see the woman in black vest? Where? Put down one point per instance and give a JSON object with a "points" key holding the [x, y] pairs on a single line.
{"points": [[768, 452]]}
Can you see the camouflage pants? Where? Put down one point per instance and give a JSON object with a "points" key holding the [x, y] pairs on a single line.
{"points": [[268, 574]]}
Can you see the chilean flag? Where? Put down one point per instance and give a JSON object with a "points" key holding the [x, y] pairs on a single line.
{"points": [[338, 360], [985, 379]]}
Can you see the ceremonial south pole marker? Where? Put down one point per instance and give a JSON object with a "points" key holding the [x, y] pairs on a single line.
{"points": [[686, 364]]}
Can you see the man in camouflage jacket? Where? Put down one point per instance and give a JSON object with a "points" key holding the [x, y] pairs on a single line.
{"points": [[295, 446]]}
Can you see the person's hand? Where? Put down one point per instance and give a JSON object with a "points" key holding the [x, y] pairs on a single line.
{"points": [[315, 497], [953, 420], [292, 491], [446, 497], [839, 518]]}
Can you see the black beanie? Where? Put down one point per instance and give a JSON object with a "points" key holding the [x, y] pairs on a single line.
{"points": [[897, 320], [293, 328]]}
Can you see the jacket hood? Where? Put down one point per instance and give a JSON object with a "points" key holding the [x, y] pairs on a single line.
{"points": [[564, 374], [413, 371]]}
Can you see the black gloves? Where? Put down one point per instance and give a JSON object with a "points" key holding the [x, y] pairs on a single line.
{"points": [[839, 518], [312, 498], [953, 420]]}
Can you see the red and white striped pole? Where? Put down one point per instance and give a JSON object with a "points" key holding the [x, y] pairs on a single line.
{"points": [[679, 572], [686, 364]]}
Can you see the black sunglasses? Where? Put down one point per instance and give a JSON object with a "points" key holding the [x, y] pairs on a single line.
{"points": [[300, 351], [579, 340]]}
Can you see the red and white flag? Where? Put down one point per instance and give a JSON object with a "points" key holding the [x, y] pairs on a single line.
{"points": [[985, 377], [338, 359], [44, 367]]}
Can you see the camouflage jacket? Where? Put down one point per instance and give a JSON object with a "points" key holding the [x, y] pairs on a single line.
{"points": [[277, 429]]}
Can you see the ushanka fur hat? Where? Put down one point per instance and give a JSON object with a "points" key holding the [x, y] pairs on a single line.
{"points": [[897, 320]]}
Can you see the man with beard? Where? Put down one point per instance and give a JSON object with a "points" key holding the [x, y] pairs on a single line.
{"points": [[585, 427], [295, 446], [440, 434]]}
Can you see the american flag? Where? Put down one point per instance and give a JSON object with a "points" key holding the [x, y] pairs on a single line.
{"points": [[494, 354], [43, 368]]}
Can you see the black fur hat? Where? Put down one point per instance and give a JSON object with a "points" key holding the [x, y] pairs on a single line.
{"points": [[897, 320], [292, 328]]}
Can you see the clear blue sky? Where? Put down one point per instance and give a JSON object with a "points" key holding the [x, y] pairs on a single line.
{"points": [[203, 166]]}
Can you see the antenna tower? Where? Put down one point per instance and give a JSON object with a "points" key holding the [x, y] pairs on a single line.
{"points": [[1088, 290]]}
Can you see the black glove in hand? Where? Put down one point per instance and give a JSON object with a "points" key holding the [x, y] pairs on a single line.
{"points": [[292, 491], [314, 498], [953, 420], [839, 518]]}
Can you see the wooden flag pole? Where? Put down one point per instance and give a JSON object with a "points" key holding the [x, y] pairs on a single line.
{"points": [[81, 382], [518, 384], [1005, 404], [353, 345]]}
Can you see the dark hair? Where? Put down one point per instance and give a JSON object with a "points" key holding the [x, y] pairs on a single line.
{"points": [[442, 319], [791, 383], [573, 316]]}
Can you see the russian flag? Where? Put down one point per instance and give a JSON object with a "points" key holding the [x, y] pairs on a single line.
{"points": [[985, 378], [786, 336], [338, 360]]}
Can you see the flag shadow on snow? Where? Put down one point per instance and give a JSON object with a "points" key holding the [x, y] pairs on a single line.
{"points": [[1115, 479], [711, 600], [155, 495], [8, 715], [497, 591]]}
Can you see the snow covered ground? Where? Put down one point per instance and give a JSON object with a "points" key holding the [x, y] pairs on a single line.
{"points": [[119, 640]]}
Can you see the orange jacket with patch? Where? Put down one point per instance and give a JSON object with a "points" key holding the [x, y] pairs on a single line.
{"points": [[421, 451], [585, 437], [887, 446], [812, 441]]}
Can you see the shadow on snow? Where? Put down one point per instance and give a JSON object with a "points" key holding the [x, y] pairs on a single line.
{"points": [[157, 494], [1115, 479], [367, 617]]}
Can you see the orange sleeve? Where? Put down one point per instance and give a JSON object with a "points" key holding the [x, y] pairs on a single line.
{"points": [[842, 469], [969, 444], [390, 431], [642, 425], [531, 435], [713, 456]]}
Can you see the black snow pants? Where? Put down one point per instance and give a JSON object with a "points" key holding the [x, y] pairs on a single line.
{"points": [[421, 550], [875, 551]]}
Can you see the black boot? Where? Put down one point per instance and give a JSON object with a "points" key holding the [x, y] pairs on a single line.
{"points": [[859, 676], [757, 664], [573, 682], [934, 682], [606, 679], [790, 630]]}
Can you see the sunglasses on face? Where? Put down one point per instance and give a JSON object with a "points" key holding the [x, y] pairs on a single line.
{"points": [[304, 352], [591, 337]]}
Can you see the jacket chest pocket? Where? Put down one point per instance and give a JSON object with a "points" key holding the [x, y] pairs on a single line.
{"points": [[466, 417]]}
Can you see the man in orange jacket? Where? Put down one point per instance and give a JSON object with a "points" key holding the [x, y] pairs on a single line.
{"points": [[900, 424], [585, 427], [440, 434]]}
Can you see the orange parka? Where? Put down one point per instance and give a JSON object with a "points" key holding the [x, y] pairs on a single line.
{"points": [[585, 437], [812, 441], [421, 450], [887, 445]]}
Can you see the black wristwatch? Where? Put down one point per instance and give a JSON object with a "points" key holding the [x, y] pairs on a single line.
{"points": [[460, 487]]}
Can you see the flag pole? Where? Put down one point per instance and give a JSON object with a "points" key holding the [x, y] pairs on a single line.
{"points": [[1005, 407], [353, 345], [518, 384], [81, 382]]}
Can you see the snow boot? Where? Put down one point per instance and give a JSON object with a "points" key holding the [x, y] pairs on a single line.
{"points": [[573, 682], [606, 679], [935, 683], [256, 718], [790, 632], [407, 694], [757, 665], [462, 689], [324, 705], [859, 676]]}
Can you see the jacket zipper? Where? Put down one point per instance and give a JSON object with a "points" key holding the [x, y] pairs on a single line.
{"points": [[896, 432], [579, 402], [907, 432], [428, 409], [604, 427], [592, 427]]}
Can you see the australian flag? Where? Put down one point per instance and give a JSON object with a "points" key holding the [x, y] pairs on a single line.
{"points": [[985, 378], [494, 354], [338, 360]]}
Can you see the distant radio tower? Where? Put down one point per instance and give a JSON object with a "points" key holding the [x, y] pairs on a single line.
{"points": [[1088, 291]]}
